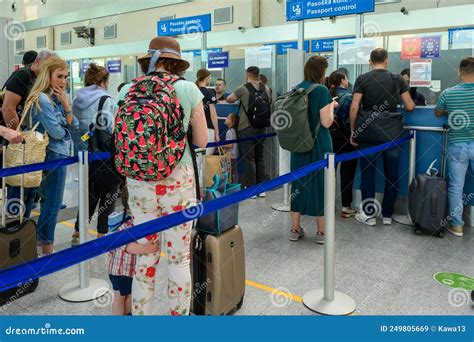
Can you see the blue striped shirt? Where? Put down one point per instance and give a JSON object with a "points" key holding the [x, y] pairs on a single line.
{"points": [[458, 101]]}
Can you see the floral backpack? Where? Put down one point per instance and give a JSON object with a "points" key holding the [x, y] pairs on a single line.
{"points": [[149, 134]]}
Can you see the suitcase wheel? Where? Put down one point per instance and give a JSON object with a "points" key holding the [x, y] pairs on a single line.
{"points": [[239, 304], [418, 231], [441, 235]]}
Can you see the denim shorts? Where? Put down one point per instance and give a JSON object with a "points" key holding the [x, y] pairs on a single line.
{"points": [[122, 284]]}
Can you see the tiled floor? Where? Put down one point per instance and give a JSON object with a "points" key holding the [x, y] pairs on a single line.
{"points": [[386, 270]]}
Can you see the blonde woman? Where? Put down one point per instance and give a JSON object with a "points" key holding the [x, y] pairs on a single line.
{"points": [[48, 105]]}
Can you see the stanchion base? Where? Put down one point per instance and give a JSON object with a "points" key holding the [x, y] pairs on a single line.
{"points": [[281, 207], [404, 219], [341, 305], [72, 292]]}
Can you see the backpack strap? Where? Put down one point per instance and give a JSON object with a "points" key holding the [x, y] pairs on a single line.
{"points": [[100, 108], [308, 91]]}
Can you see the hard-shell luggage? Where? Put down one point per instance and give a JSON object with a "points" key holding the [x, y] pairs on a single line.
{"points": [[17, 245], [218, 270], [428, 198]]}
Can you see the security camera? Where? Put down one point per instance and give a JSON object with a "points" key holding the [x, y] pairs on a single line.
{"points": [[404, 11], [86, 33], [241, 29]]}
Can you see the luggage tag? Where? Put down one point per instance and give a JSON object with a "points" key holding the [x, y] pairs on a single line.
{"points": [[87, 136]]}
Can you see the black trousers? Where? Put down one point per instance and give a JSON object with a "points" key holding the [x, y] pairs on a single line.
{"points": [[104, 184], [341, 144], [252, 153]]}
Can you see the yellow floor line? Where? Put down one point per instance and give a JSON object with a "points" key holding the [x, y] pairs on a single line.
{"points": [[254, 284], [274, 291]]}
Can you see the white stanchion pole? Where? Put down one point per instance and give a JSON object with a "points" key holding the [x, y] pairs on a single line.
{"points": [[327, 301], [86, 288], [284, 167], [405, 219]]}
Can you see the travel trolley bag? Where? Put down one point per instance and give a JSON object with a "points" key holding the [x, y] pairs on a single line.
{"points": [[218, 271], [17, 243], [427, 199]]}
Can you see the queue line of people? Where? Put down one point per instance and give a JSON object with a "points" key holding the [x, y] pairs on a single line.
{"points": [[334, 109]]}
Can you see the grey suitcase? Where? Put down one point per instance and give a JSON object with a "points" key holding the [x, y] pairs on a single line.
{"points": [[218, 272], [428, 198]]}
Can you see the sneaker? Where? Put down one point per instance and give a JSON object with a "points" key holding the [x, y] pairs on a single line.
{"points": [[320, 238], [262, 195], [363, 218], [63, 206], [295, 236], [456, 230], [348, 212], [387, 221], [253, 197], [75, 239]]}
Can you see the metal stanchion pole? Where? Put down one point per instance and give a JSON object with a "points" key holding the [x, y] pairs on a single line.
{"points": [[284, 167], [327, 301], [86, 288], [405, 219]]}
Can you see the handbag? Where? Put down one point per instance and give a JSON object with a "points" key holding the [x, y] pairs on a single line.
{"points": [[31, 151], [376, 128], [218, 222], [216, 164]]}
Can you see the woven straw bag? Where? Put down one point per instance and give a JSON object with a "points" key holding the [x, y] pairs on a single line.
{"points": [[31, 151]]}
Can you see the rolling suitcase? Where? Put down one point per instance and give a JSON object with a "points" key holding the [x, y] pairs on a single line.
{"points": [[17, 246], [218, 271], [428, 198]]}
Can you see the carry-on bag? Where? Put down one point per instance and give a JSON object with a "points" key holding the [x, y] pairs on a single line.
{"points": [[218, 271], [427, 199], [17, 243], [221, 220]]}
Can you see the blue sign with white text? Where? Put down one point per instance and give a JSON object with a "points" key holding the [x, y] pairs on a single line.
{"points": [[114, 66], [325, 45], [189, 25], [198, 53], [309, 9], [218, 60], [322, 45], [282, 48]]}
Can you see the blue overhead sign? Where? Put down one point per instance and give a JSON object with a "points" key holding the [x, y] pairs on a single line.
{"points": [[325, 45], [218, 60], [114, 66], [282, 48], [309, 9], [189, 25], [198, 53], [322, 45]]}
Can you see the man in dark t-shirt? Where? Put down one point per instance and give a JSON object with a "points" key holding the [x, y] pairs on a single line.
{"points": [[18, 88], [376, 91]]}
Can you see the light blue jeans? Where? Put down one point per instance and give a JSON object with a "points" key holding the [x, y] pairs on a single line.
{"points": [[460, 155]]}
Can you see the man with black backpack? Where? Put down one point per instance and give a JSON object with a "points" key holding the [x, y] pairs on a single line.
{"points": [[254, 115], [375, 119]]}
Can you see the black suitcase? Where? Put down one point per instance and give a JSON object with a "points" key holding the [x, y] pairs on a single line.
{"points": [[17, 246], [218, 272], [427, 199]]}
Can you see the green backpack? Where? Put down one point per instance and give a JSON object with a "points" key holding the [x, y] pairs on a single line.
{"points": [[291, 120]]}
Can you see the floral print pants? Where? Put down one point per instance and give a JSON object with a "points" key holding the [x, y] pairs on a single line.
{"points": [[149, 200]]}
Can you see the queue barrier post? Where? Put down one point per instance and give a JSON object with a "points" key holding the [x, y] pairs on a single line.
{"points": [[405, 219], [327, 301], [86, 289]]}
